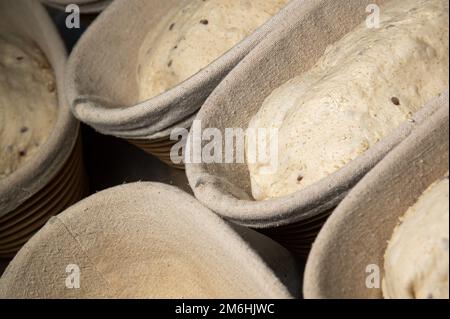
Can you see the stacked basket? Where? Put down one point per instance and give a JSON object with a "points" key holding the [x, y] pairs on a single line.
{"points": [[54, 178], [107, 52]]}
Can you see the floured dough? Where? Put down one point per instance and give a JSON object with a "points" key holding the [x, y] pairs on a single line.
{"points": [[194, 34], [28, 103], [363, 87], [416, 260]]}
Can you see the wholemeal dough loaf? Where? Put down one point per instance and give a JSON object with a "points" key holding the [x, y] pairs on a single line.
{"points": [[194, 34], [28, 102], [363, 87], [416, 260]]}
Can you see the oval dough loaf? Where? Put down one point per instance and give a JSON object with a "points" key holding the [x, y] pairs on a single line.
{"points": [[28, 102], [416, 260], [194, 34], [363, 87]]}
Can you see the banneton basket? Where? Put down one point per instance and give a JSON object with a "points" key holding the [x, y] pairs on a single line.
{"points": [[357, 232], [148, 240], [53, 178], [297, 43], [102, 84], [86, 6]]}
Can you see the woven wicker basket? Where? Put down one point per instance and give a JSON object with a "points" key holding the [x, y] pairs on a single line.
{"points": [[53, 178]]}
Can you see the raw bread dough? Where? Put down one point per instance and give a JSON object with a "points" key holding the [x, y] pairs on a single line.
{"points": [[194, 34], [28, 102], [363, 87], [416, 260]]}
